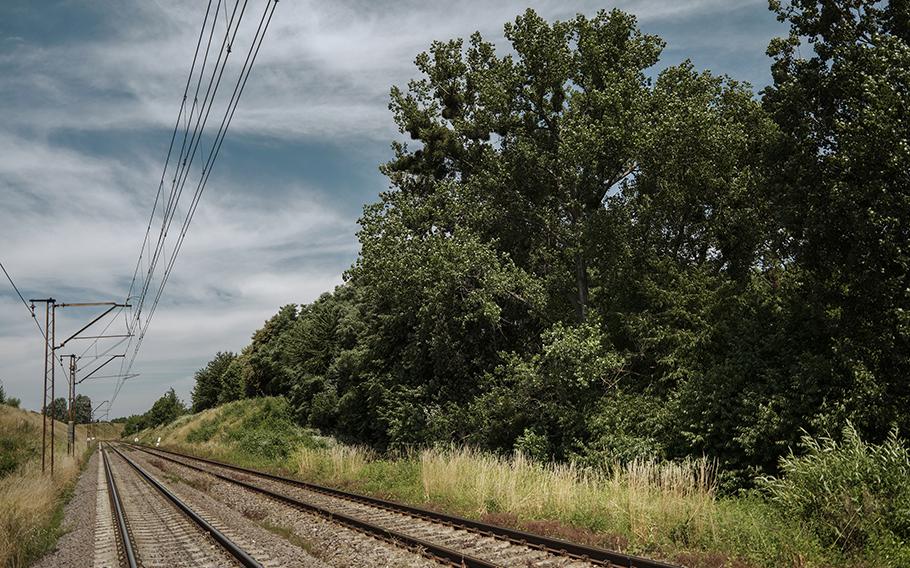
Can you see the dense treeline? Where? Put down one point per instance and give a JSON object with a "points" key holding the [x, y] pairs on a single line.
{"points": [[584, 262], [82, 409], [166, 409]]}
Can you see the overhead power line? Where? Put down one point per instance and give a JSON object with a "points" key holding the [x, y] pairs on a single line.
{"points": [[149, 280], [31, 313]]}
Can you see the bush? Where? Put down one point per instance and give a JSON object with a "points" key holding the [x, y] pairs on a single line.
{"points": [[269, 432], [854, 495]]}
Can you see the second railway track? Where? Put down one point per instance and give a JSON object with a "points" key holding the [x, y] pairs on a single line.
{"points": [[448, 539]]}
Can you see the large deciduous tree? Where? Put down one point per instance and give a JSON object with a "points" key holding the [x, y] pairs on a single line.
{"points": [[208, 381], [841, 96]]}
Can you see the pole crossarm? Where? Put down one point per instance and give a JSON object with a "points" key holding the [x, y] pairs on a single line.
{"points": [[113, 306], [99, 367], [101, 336]]}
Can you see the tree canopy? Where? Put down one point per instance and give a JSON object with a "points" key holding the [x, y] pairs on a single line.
{"points": [[584, 256]]}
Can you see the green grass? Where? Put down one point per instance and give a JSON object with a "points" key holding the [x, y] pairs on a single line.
{"points": [[289, 535], [665, 510], [19, 443]]}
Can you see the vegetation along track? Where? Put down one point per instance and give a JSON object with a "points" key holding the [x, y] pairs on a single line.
{"points": [[149, 534], [451, 539]]}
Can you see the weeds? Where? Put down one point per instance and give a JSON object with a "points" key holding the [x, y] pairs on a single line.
{"points": [[31, 502], [854, 495], [668, 510]]}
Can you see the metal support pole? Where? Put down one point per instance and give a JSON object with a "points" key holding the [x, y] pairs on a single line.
{"points": [[71, 438], [47, 348], [52, 335], [50, 355], [47, 408]]}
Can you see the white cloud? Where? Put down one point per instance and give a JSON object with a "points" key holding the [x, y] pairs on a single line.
{"points": [[325, 69], [68, 224]]}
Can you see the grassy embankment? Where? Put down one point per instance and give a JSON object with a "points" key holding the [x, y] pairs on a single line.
{"points": [[664, 510], [31, 504]]}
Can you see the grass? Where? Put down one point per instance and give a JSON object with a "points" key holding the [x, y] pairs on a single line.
{"points": [[32, 503], [665, 510]]}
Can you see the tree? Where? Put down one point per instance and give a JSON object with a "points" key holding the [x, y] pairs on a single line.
{"points": [[266, 372], [208, 381], [166, 409], [58, 409], [565, 114], [82, 409], [844, 200]]}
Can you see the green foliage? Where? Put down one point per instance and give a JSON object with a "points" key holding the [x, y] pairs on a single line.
{"points": [[58, 409], [203, 432], [841, 96], [18, 445], [82, 409], [209, 381], [582, 258], [8, 400], [269, 433], [855, 495], [165, 410]]}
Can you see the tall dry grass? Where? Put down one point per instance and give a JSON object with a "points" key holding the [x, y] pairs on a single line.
{"points": [[667, 510], [31, 503], [642, 498], [337, 464]]}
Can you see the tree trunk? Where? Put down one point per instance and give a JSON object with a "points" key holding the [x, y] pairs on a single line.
{"points": [[581, 283]]}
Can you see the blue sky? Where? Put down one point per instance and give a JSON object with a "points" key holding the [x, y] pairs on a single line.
{"points": [[88, 97]]}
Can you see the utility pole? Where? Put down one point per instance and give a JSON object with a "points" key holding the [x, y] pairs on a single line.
{"points": [[50, 312], [50, 354], [71, 441], [71, 434], [92, 418], [71, 429]]}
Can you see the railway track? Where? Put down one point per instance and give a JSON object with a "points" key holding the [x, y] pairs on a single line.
{"points": [[142, 523], [446, 538]]}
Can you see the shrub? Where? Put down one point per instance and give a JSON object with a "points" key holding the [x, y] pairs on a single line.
{"points": [[203, 432], [854, 495], [269, 432]]}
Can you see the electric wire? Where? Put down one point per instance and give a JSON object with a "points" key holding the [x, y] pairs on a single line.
{"points": [[138, 326], [170, 148], [31, 313], [183, 164], [216, 147]]}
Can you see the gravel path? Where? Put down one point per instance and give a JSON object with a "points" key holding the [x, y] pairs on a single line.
{"points": [[75, 548], [331, 543]]}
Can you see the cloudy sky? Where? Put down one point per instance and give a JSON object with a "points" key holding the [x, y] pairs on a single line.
{"points": [[89, 92]]}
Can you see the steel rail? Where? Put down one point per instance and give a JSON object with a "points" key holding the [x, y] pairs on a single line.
{"points": [[437, 551], [241, 555], [550, 544], [118, 513]]}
